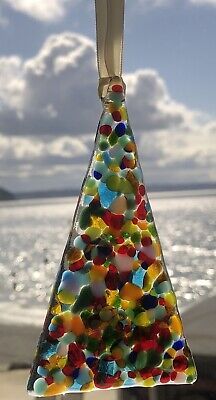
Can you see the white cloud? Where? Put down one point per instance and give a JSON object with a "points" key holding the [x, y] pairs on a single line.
{"points": [[54, 10], [153, 3], [203, 2], [48, 93], [49, 112], [150, 100], [46, 11]]}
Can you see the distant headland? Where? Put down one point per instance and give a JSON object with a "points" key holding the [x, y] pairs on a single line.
{"points": [[7, 195]]}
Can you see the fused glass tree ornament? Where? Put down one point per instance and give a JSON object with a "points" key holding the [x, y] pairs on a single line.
{"points": [[113, 321]]}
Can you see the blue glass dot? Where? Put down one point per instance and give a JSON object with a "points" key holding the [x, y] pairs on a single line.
{"points": [[76, 373], [122, 165], [144, 265], [67, 276], [106, 196], [90, 361], [120, 129], [97, 175], [149, 301], [178, 345]]}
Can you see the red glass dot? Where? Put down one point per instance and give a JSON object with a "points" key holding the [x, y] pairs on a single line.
{"points": [[103, 382], [156, 371], [99, 260], [117, 88], [165, 377], [146, 241], [138, 198], [117, 374], [77, 265], [59, 332], [105, 130], [145, 373], [49, 380], [173, 375], [106, 217], [86, 238], [43, 363], [122, 250], [148, 344], [68, 370], [116, 116], [112, 280], [76, 356], [141, 211], [142, 190], [162, 302], [180, 363], [165, 333], [119, 240], [131, 251], [116, 221], [132, 374]]}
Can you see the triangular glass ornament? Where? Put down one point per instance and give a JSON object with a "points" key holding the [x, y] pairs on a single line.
{"points": [[113, 320]]}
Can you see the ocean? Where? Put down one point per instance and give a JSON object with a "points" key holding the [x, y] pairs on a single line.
{"points": [[33, 234]]}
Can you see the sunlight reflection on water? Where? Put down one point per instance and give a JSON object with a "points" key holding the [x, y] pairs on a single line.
{"points": [[34, 233]]}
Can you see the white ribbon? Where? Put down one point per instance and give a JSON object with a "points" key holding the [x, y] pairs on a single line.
{"points": [[109, 32]]}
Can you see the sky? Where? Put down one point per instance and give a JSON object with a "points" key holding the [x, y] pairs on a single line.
{"points": [[49, 109]]}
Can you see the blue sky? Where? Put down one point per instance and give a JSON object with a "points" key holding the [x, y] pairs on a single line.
{"points": [[171, 42]]}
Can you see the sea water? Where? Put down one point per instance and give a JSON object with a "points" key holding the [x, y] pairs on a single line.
{"points": [[33, 234]]}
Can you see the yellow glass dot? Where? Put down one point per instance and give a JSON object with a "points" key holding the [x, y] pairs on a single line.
{"points": [[149, 382], [123, 112], [142, 319], [99, 157], [171, 352], [170, 299], [175, 324], [97, 273], [131, 292]]}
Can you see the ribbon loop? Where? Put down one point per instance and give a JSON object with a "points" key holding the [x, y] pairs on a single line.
{"points": [[109, 31]]}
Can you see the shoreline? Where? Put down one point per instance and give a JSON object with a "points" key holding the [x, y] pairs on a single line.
{"points": [[18, 345]]}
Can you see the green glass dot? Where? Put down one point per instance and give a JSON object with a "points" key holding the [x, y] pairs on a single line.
{"points": [[117, 302], [149, 217], [84, 300], [113, 138], [125, 186], [190, 379], [113, 182], [85, 315], [136, 237], [154, 358], [107, 264], [141, 360], [93, 344], [82, 339], [131, 204], [85, 218], [109, 335], [126, 235], [103, 145], [152, 229]]}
